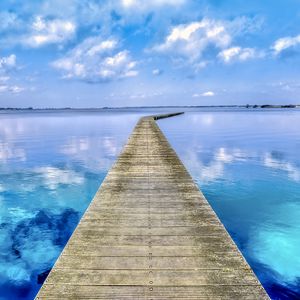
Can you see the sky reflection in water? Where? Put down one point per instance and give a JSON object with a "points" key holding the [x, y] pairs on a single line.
{"points": [[50, 167], [246, 163], [248, 166]]}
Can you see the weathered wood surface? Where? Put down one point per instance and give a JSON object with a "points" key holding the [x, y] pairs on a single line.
{"points": [[149, 233]]}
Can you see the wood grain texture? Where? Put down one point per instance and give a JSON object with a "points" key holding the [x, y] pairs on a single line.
{"points": [[149, 233]]}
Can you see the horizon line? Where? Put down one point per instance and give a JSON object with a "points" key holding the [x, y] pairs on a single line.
{"points": [[158, 106]]}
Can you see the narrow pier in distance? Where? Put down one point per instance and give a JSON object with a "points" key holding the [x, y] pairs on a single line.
{"points": [[149, 233]]}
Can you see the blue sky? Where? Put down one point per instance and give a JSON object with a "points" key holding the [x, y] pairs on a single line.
{"points": [[87, 53]]}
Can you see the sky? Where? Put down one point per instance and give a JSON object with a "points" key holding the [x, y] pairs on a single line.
{"points": [[88, 53]]}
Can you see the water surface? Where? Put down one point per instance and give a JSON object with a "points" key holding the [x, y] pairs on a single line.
{"points": [[51, 165], [246, 163]]}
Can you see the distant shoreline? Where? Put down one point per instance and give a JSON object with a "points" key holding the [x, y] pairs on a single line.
{"points": [[248, 106]]}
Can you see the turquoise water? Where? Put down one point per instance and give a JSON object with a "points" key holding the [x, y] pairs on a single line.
{"points": [[248, 166], [246, 163], [51, 165]]}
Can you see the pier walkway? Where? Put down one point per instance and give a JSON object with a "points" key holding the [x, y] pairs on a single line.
{"points": [[149, 233]]}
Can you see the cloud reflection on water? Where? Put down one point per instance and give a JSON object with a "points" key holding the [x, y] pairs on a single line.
{"points": [[247, 165], [271, 161], [50, 167]]}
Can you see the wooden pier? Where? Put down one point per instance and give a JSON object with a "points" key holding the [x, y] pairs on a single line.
{"points": [[149, 233]]}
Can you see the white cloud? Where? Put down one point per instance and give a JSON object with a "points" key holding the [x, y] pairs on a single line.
{"points": [[196, 43], [208, 94], [15, 89], [4, 79], [3, 88], [91, 13], [8, 62], [285, 43], [191, 40], [97, 60], [239, 54], [145, 5], [98, 48], [8, 21], [205, 94], [243, 25], [157, 72], [44, 32]]}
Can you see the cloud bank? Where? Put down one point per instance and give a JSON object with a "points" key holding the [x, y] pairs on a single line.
{"points": [[97, 60]]}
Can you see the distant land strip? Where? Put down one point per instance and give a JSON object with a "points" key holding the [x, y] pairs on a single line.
{"points": [[248, 106]]}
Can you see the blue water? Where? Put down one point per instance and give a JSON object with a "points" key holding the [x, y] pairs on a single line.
{"points": [[51, 165], [248, 166], [246, 163]]}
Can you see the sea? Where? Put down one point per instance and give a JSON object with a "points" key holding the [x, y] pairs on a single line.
{"points": [[245, 161]]}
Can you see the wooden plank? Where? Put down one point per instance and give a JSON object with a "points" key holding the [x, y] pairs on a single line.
{"points": [[149, 233]]}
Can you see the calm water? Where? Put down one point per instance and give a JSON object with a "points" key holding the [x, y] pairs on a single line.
{"points": [[245, 162], [51, 165], [248, 166]]}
